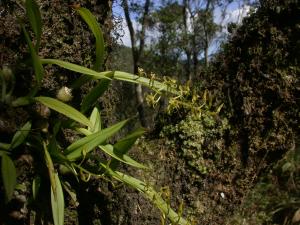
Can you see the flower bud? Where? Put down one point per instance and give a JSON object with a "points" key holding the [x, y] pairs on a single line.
{"points": [[64, 94], [7, 72]]}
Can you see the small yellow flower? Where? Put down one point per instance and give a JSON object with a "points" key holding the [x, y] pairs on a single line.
{"points": [[64, 94]]}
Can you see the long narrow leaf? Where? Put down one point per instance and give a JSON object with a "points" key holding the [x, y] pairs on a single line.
{"points": [[152, 84], [77, 68], [123, 145], [36, 183], [4, 146], [64, 109], [35, 19], [9, 176], [109, 149], [91, 21], [150, 193], [37, 65], [57, 202], [95, 119], [118, 75], [50, 167], [84, 131], [91, 98], [20, 135], [81, 81], [57, 196], [22, 101], [87, 144]]}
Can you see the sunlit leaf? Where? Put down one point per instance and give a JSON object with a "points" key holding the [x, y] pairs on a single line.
{"points": [[9, 176], [57, 196], [84, 131], [90, 99], [95, 119], [149, 193], [87, 144], [77, 68], [37, 65], [118, 75], [35, 19], [152, 84], [57, 202], [109, 149], [64, 109], [91, 21], [20, 135], [49, 165]]}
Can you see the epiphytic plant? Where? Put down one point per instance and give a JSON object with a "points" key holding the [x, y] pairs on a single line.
{"points": [[73, 158]]}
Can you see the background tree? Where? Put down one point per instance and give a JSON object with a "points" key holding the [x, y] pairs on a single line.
{"points": [[137, 49], [165, 46]]}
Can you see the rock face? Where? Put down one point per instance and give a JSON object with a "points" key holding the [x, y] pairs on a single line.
{"points": [[260, 80]]}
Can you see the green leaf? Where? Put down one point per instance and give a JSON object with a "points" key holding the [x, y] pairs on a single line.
{"points": [[77, 68], [81, 81], [49, 165], [55, 151], [95, 119], [36, 183], [87, 144], [64, 109], [22, 101], [123, 145], [57, 196], [35, 19], [9, 176], [91, 21], [90, 99], [4, 146], [109, 149], [152, 84], [149, 193], [84, 131], [36, 61], [118, 75], [20, 135], [57, 201]]}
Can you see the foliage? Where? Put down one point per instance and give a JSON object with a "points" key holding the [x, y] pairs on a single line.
{"points": [[59, 157], [197, 141], [200, 136]]}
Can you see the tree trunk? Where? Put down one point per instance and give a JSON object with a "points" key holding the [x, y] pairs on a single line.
{"points": [[136, 54], [186, 47], [195, 58]]}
